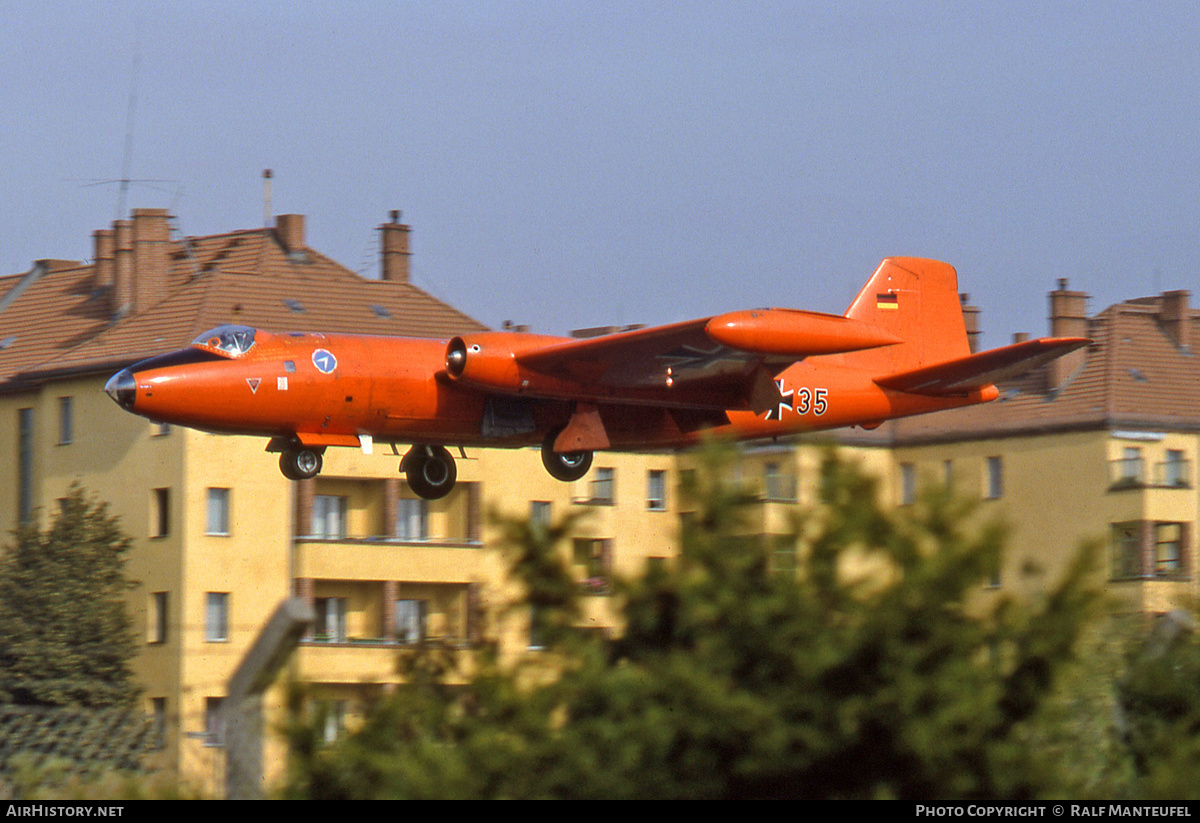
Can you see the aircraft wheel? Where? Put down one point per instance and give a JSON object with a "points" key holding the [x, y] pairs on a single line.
{"points": [[565, 466], [430, 471], [300, 464]]}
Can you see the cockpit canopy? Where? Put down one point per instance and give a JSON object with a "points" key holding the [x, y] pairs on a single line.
{"points": [[228, 340]]}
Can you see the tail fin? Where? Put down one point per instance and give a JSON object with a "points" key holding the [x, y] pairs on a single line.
{"points": [[917, 301]]}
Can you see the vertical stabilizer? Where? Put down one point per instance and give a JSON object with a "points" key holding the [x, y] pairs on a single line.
{"points": [[917, 301]]}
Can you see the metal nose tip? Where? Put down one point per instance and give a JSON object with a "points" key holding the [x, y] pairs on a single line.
{"points": [[122, 388]]}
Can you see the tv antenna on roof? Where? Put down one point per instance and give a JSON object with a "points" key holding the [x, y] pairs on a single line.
{"points": [[127, 160]]}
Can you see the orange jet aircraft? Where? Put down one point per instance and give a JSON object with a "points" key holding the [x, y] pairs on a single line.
{"points": [[900, 349]]}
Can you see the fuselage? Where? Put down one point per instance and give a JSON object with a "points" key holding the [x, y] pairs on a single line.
{"points": [[332, 389]]}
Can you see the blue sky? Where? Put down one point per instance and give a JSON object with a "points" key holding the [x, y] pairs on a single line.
{"points": [[580, 164]]}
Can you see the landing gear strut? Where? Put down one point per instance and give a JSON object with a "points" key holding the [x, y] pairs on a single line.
{"points": [[565, 466], [300, 463], [430, 471]]}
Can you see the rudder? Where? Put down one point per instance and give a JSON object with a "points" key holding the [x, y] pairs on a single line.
{"points": [[916, 300]]}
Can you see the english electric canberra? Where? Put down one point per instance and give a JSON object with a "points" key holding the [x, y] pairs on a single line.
{"points": [[900, 349]]}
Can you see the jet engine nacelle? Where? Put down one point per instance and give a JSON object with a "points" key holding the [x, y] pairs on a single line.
{"points": [[488, 360]]}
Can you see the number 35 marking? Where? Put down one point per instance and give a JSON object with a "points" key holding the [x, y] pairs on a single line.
{"points": [[814, 400]]}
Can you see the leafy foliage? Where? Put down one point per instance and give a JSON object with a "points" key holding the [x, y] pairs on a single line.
{"points": [[65, 635], [1160, 702], [875, 670]]}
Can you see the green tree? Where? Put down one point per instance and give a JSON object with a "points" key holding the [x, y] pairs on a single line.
{"points": [[875, 671], [65, 635], [1160, 709]]}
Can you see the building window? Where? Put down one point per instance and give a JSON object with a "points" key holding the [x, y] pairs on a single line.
{"points": [[995, 478], [333, 724], [1129, 470], [158, 617], [216, 617], [1169, 545], [160, 525], [214, 722], [777, 484], [218, 512], [1126, 550], [329, 517], [331, 619], [66, 420], [784, 558], [25, 464], [601, 488], [158, 714], [540, 514], [1175, 472], [593, 558], [908, 484], [412, 519], [656, 491], [474, 511], [410, 621]]}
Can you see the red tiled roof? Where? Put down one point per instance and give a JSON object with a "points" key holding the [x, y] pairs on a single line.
{"points": [[60, 323]]}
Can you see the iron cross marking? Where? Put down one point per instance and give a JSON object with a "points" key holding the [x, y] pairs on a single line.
{"points": [[785, 402]]}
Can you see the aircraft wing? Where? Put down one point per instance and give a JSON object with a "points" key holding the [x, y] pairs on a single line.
{"points": [[643, 358], [983, 369], [718, 362]]}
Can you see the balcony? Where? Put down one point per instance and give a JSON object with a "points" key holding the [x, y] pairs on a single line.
{"points": [[359, 663], [377, 558], [1131, 473]]}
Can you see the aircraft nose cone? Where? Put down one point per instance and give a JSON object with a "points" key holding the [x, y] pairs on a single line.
{"points": [[122, 388]]}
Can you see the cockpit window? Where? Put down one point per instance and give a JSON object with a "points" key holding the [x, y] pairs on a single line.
{"points": [[232, 341]]}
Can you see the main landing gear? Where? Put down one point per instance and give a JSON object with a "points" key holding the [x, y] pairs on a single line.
{"points": [[565, 466], [430, 471]]}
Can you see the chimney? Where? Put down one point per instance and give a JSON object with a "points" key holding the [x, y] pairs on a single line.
{"points": [[971, 321], [121, 302], [289, 231], [105, 257], [395, 249], [268, 207], [1176, 317], [151, 257], [1068, 318]]}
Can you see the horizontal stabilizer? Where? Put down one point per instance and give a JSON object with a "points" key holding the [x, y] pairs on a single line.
{"points": [[978, 370]]}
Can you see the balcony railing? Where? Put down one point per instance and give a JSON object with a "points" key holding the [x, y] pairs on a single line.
{"points": [[1173, 474], [375, 539], [1130, 473], [382, 642]]}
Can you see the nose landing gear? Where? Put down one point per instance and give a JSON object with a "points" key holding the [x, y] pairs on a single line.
{"points": [[300, 463]]}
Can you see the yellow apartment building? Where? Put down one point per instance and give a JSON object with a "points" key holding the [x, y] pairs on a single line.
{"points": [[1102, 444], [221, 537]]}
